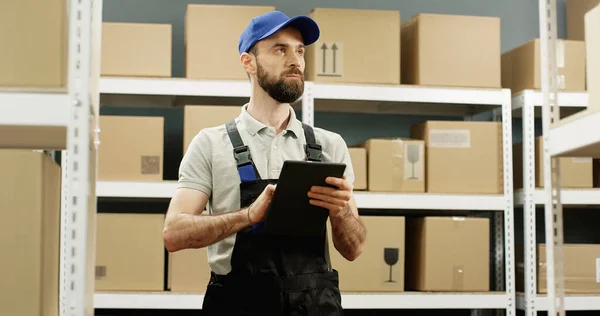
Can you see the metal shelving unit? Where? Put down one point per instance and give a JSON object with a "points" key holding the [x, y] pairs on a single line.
{"points": [[572, 302], [367, 200], [528, 104], [68, 114], [374, 99], [575, 136], [408, 300]]}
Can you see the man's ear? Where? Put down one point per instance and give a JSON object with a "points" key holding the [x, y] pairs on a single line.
{"points": [[249, 63]]}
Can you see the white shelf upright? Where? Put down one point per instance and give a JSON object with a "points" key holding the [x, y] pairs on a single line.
{"points": [[78, 161], [553, 207]]}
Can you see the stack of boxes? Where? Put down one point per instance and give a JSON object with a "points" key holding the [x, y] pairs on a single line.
{"points": [[30, 198], [356, 46], [442, 157]]}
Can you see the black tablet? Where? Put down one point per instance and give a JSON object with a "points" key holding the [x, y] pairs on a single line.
{"points": [[290, 212]]}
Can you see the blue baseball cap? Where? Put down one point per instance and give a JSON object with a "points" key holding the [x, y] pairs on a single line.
{"points": [[269, 23]]}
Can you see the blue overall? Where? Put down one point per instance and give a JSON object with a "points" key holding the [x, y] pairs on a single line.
{"points": [[273, 275]]}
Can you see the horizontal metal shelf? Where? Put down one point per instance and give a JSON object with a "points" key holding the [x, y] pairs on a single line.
{"points": [[33, 120], [174, 87], [33, 109], [572, 302], [568, 196], [565, 99], [430, 201], [368, 200], [577, 136], [367, 98], [405, 300]]}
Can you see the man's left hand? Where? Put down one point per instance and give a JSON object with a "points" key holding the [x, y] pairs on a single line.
{"points": [[336, 200]]}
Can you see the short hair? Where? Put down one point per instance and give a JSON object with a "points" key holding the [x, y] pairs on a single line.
{"points": [[254, 51]]}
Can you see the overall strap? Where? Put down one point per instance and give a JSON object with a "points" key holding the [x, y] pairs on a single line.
{"points": [[312, 149], [241, 153]]}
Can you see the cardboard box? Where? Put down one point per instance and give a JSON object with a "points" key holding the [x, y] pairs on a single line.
{"points": [[448, 254], [380, 268], [30, 197], [188, 271], [34, 44], [211, 40], [462, 157], [198, 117], [358, 156], [521, 66], [575, 11], [396, 165], [130, 255], [592, 51], [355, 46], [451, 50], [596, 173], [131, 148], [581, 268], [136, 49], [575, 172]]}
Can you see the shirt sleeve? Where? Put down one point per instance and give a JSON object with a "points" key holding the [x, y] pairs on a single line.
{"points": [[342, 155], [195, 170]]}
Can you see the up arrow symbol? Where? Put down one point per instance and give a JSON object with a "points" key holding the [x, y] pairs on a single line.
{"points": [[334, 48], [324, 49]]}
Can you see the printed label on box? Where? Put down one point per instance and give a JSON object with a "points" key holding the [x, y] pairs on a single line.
{"points": [[597, 270], [330, 59], [413, 162], [455, 138], [100, 272], [560, 54], [150, 164], [582, 160]]}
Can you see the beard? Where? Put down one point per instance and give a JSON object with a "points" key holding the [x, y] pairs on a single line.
{"points": [[281, 89]]}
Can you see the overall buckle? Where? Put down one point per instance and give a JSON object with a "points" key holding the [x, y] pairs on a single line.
{"points": [[242, 155], [313, 152]]}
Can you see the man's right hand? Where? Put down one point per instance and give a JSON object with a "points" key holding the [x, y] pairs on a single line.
{"points": [[258, 209]]}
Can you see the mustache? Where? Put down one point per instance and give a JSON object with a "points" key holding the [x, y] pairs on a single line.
{"points": [[294, 71]]}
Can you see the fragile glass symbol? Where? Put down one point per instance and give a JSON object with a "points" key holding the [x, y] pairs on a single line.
{"points": [[390, 255], [413, 157]]}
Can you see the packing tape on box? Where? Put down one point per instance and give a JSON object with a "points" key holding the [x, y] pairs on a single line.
{"points": [[458, 221], [397, 164], [457, 277], [560, 54]]}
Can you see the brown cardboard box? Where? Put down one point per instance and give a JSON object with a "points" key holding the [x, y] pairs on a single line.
{"points": [[131, 148], [575, 11], [198, 117], [451, 50], [30, 198], [592, 51], [381, 261], [596, 173], [355, 46], [188, 271], [396, 165], [581, 268], [447, 254], [358, 156], [212, 33], [130, 255], [136, 49], [521, 66], [575, 172], [462, 157], [34, 44]]}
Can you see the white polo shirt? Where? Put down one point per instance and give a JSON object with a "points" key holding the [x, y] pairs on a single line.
{"points": [[209, 166]]}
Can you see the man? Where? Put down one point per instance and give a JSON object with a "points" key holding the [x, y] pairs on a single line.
{"points": [[254, 273]]}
